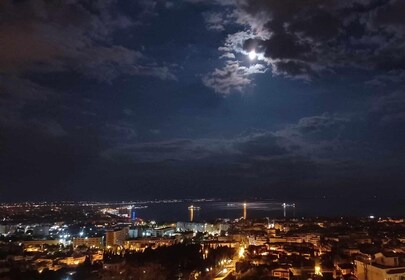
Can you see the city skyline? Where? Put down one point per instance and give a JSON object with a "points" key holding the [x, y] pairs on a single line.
{"points": [[96, 240], [239, 99]]}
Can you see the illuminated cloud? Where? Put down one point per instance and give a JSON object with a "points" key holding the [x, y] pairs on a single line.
{"points": [[232, 77], [306, 39]]}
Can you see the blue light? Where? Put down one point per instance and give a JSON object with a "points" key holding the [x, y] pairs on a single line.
{"points": [[133, 214]]}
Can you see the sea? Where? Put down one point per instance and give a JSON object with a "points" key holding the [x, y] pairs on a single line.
{"points": [[212, 209]]}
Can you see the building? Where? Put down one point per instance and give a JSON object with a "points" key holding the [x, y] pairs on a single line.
{"points": [[40, 243], [257, 240], [6, 229], [116, 237], [385, 266], [219, 243], [365, 271], [198, 227], [72, 261], [135, 232], [345, 268], [144, 232], [390, 259], [165, 231], [90, 242], [281, 272], [140, 245], [132, 214], [41, 230]]}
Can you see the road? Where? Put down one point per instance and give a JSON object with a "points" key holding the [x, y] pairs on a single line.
{"points": [[226, 271]]}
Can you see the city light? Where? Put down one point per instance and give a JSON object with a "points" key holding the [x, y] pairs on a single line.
{"points": [[241, 252], [318, 270], [111, 241]]}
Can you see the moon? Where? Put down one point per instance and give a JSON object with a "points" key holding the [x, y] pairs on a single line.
{"points": [[252, 55]]}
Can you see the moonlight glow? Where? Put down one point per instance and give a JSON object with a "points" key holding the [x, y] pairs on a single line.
{"points": [[252, 55]]}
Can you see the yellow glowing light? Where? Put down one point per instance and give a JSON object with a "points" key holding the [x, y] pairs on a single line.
{"points": [[318, 270], [252, 55], [241, 252]]}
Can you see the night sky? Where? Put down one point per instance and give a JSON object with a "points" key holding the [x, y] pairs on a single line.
{"points": [[109, 99]]}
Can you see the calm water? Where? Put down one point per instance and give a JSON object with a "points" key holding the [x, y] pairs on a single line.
{"points": [[272, 208]]}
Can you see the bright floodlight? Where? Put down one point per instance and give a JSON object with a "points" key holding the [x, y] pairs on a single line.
{"points": [[252, 55]]}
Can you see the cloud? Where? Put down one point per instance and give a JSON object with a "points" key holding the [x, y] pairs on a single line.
{"points": [[228, 55], [312, 138], [314, 151], [231, 77], [393, 77], [46, 37], [39, 155], [389, 108], [306, 39], [215, 21], [120, 130], [15, 93], [304, 153], [43, 36], [328, 36], [177, 149], [249, 144], [49, 127], [319, 137]]}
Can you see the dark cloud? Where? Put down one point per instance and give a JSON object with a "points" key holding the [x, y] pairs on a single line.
{"points": [[70, 36], [294, 69], [390, 14], [313, 152], [321, 26], [39, 163], [15, 94], [304, 39], [395, 77], [73, 39], [284, 46], [311, 139], [389, 108]]}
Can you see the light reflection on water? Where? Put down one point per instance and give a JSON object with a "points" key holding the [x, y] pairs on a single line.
{"points": [[211, 210], [269, 206]]}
